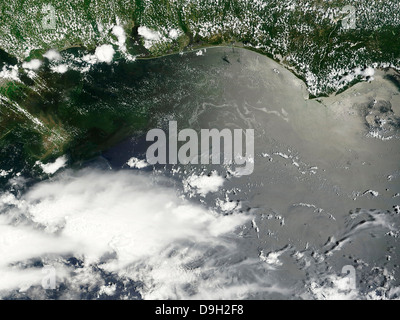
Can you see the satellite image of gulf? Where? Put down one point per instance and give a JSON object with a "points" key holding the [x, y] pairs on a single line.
{"points": [[199, 150]]}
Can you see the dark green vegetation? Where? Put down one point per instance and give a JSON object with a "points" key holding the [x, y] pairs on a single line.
{"points": [[82, 114], [306, 35], [74, 113]]}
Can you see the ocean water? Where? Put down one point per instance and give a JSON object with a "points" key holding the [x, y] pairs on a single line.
{"points": [[323, 197]]}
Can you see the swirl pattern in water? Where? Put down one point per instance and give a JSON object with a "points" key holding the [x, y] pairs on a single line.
{"points": [[318, 218]]}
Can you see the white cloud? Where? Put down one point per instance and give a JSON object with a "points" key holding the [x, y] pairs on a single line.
{"points": [[368, 72], [203, 184], [150, 36], [52, 55], [104, 53], [10, 72], [89, 58], [173, 34], [137, 163], [62, 68], [153, 233], [336, 288], [51, 168], [20, 243], [3, 173], [119, 32], [34, 64]]}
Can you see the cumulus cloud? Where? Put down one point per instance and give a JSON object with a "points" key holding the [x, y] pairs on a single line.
{"points": [[149, 36], [62, 68], [52, 55], [34, 64], [148, 233], [20, 243], [10, 72], [53, 167], [173, 34], [119, 32], [367, 73], [203, 184], [137, 163], [104, 53]]}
